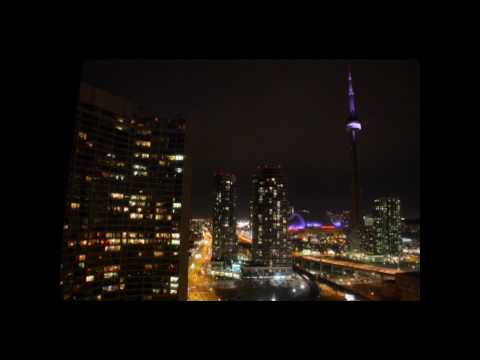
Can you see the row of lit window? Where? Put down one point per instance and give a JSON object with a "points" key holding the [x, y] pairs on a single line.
{"points": [[110, 235], [142, 155], [113, 176], [143, 143], [122, 196], [176, 157], [114, 248]]}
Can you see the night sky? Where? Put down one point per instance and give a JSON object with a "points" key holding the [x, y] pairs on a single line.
{"points": [[289, 112]]}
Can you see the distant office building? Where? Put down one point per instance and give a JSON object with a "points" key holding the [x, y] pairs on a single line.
{"points": [[368, 220], [224, 222], [367, 235], [268, 218], [387, 225], [126, 221]]}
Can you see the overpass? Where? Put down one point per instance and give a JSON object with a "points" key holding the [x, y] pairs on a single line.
{"points": [[349, 265], [331, 284]]}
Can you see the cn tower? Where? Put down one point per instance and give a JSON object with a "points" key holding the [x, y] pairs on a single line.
{"points": [[353, 128]]}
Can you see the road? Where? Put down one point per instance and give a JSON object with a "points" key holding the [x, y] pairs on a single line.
{"points": [[351, 265], [243, 239], [200, 285]]}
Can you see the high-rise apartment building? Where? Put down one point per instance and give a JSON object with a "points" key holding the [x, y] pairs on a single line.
{"points": [[387, 226], [268, 218], [225, 243], [127, 204]]}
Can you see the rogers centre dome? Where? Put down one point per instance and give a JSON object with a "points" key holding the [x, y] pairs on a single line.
{"points": [[302, 220]]}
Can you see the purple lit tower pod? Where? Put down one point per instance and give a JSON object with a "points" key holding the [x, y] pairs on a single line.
{"points": [[353, 128]]}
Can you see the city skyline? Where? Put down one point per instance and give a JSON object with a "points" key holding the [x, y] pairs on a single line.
{"points": [[332, 215], [245, 113]]}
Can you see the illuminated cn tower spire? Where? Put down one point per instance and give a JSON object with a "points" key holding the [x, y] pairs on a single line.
{"points": [[353, 127]]}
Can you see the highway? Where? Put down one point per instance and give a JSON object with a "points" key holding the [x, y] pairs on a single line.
{"points": [[200, 285], [243, 239], [351, 265]]}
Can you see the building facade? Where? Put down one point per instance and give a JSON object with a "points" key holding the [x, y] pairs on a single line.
{"points": [[224, 241], [269, 210], [127, 205], [387, 226]]}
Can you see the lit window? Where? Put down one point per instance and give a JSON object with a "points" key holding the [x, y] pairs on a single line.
{"points": [[175, 157], [116, 196], [110, 288], [88, 178], [148, 266], [75, 205], [158, 217], [110, 275], [177, 205], [173, 291], [178, 170], [81, 257], [82, 135], [90, 278], [125, 209], [175, 242], [158, 253], [143, 143], [136, 216], [111, 268], [136, 241], [162, 235], [174, 278], [175, 235], [112, 248]]}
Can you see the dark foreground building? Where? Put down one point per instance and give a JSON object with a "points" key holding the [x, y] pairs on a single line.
{"points": [[224, 224], [127, 205], [268, 215]]}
